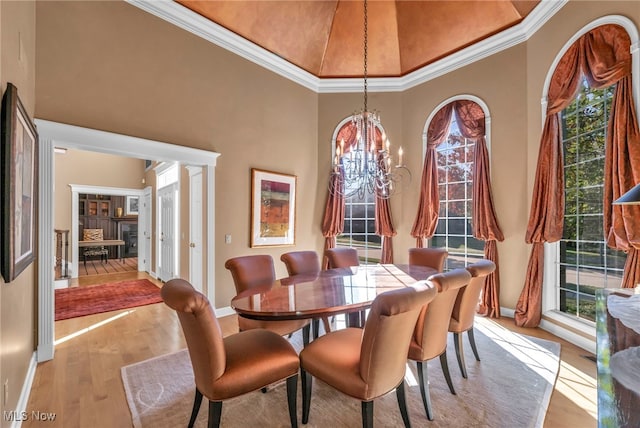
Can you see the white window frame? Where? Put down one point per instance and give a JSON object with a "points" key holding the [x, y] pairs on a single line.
{"points": [[550, 298]]}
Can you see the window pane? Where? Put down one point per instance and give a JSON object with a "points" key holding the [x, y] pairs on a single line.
{"points": [[590, 228], [457, 227], [438, 241], [456, 209], [456, 191]]}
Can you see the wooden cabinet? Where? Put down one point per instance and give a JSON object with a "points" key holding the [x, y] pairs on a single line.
{"points": [[96, 212]]}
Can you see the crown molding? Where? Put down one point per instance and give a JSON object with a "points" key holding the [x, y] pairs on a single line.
{"points": [[188, 20]]}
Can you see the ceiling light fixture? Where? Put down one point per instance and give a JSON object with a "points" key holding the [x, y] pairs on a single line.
{"points": [[363, 166]]}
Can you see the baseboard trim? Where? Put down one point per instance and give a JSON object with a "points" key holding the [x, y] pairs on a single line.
{"points": [[557, 330], [225, 311], [21, 406]]}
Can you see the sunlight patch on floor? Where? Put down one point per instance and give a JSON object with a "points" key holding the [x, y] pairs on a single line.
{"points": [[92, 327], [537, 358], [579, 388]]}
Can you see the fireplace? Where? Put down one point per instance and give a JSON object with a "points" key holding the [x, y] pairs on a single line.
{"points": [[128, 232]]}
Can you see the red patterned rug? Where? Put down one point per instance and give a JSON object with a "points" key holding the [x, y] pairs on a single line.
{"points": [[80, 301]]}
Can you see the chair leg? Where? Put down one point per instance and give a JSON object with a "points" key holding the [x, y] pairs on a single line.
{"points": [[457, 340], [215, 411], [424, 388], [316, 328], [367, 414], [472, 341], [445, 371], [327, 324], [292, 394], [306, 394], [196, 408], [402, 403], [306, 332]]}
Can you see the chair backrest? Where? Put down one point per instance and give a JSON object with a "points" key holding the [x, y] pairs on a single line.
{"points": [[387, 334], [92, 234], [301, 262], [342, 257], [432, 328], [251, 271], [429, 257], [201, 331], [464, 310]]}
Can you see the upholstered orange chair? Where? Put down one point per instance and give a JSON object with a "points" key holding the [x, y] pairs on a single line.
{"points": [[367, 364], [429, 257], [235, 365], [431, 331], [250, 272], [302, 263], [464, 310], [342, 257]]}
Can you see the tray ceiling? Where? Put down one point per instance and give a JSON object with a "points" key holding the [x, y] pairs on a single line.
{"points": [[325, 37]]}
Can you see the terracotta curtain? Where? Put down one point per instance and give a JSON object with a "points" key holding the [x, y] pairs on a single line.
{"points": [[333, 221], [603, 56], [429, 204]]}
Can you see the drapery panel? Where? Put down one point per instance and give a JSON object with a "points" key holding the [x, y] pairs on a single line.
{"points": [[471, 122], [333, 220], [429, 203], [603, 57], [384, 228]]}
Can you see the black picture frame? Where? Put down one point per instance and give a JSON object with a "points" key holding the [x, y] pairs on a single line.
{"points": [[19, 196]]}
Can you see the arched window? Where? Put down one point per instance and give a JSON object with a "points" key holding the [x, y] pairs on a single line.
{"points": [[454, 230], [585, 263], [359, 229], [588, 155], [455, 209]]}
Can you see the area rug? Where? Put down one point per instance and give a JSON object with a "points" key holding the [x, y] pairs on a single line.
{"points": [[510, 387], [80, 301]]}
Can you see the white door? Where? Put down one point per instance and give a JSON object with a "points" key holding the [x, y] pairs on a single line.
{"points": [[167, 222], [144, 260], [195, 228]]}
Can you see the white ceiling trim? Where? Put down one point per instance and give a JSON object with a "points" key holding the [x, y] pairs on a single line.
{"points": [[188, 20]]}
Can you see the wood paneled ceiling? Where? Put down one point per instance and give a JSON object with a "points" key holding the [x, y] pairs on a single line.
{"points": [[325, 37]]}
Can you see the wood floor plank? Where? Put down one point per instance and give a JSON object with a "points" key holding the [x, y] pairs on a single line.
{"points": [[82, 384]]}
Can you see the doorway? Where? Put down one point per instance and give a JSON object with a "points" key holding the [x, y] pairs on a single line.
{"points": [[53, 134]]}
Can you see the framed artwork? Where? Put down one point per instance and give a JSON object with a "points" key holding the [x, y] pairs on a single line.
{"points": [[19, 158], [132, 205], [273, 208]]}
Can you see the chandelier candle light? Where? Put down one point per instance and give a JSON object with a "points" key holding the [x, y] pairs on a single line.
{"points": [[362, 167]]}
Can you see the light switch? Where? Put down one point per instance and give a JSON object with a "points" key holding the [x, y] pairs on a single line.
{"points": [[227, 239]]}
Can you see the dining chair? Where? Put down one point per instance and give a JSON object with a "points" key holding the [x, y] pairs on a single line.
{"points": [[94, 235], [465, 307], [228, 367], [431, 330], [342, 258], [250, 272], [302, 263], [366, 364], [432, 257]]}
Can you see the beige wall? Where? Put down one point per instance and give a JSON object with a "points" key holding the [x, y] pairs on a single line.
{"points": [[111, 66], [18, 298], [91, 169]]}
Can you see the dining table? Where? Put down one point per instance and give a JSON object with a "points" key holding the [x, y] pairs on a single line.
{"points": [[327, 293]]}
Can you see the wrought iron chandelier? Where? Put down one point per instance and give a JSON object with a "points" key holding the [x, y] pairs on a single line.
{"points": [[363, 167]]}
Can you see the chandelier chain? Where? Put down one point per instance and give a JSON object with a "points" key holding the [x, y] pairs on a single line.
{"points": [[366, 37]]}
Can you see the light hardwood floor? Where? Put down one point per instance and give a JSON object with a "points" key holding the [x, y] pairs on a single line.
{"points": [[83, 387]]}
